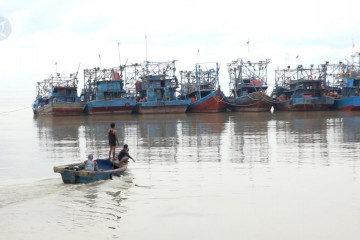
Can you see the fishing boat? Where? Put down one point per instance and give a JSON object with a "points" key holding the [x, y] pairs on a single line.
{"points": [[57, 96], [202, 87], [248, 85], [72, 173], [301, 89], [104, 92], [346, 87], [348, 98], [156, 89]]}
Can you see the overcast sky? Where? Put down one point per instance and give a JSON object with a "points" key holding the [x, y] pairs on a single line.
{"points": [[72, 32]]}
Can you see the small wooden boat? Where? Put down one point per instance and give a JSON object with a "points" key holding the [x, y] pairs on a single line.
{"points": [[72, 173]]}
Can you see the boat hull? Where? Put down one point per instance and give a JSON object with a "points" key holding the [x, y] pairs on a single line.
{"points": [[70, 175], [212, 103], [176, 106], [305, 104], [347, 103], [110, 107], [255, 102], [61, 109]]}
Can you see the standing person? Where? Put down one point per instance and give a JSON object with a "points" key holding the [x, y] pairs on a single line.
{"points": [[113, 139]]}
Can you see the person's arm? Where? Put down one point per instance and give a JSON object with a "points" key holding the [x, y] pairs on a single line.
{"points": [[96, 168], [130, 156], [116, 137]]}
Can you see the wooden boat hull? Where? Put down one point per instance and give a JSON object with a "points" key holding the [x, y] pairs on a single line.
{"points": [[176, 106], [351, 103], [254, 102], [70, 175], [305, 104], [110, 107], [212, 103], [61, 109]]}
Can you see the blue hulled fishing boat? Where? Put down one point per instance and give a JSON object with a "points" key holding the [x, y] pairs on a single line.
{"points": [[202, 87], [156, 89], [248, 85], [301, 89], [347, 86], [57, 96], [104, 92]]}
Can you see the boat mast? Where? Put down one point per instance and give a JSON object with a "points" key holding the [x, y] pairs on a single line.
{"points": [[197, 75], [236, 76], [145, 47], [118, 43], [217, 74]]}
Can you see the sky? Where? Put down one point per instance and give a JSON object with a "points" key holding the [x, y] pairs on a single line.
{"points": [[75, 32]]}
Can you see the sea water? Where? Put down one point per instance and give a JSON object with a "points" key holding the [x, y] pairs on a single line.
{"points": [[272, 175]]}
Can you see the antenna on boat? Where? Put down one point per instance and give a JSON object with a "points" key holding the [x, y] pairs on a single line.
{"points": [[75, 77], [118, 43], [145, 47], [248, 44], [217, 74], [297, 58], [197, 56], [99, 54]]}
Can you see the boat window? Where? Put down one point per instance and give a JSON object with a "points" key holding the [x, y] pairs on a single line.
{"points": [[159, 94], [62, 92]]}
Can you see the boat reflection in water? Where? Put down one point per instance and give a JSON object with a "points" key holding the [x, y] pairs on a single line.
{"points": [[249, 132], [195, 137], [350, 123], [152, 137], [60, 133], [314, 136]]}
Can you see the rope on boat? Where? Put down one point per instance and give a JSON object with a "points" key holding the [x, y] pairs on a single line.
{"points": [[245, 105], [14, 110]]}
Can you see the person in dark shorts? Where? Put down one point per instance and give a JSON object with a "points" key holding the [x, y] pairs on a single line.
{"points": [[124, 156], [113, 139]]}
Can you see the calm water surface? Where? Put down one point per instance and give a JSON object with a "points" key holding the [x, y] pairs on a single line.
{"points": [[197, 176]]}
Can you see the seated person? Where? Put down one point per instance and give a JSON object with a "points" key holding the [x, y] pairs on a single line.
{"points": [[123, 157], [90, 164]]}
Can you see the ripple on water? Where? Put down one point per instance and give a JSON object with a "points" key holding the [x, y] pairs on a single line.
{"points": [[62, 206]]}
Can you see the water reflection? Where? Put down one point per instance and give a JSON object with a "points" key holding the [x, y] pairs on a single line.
{"points": [[350, 123], [302, 136], [60, 136], [249, 137], [240, 137], [150, 137], [202, 136], [196, 135]]}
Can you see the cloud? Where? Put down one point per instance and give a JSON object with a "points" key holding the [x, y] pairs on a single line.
{"points": [[70, 32]]}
